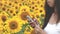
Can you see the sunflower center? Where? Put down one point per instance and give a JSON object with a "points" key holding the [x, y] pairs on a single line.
{"points": [[37, 16], [23, 15], [3, 18], [13, 25]]}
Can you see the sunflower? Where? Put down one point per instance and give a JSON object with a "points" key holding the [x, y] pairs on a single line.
{"points": [[42, 11], [1, 4], [24, 8], [17, 8], [39, 12], [35, 7], [28, 30], [5, 32], [24, 11], [3, 16], [22, 17], [31, 2], [13, 25], [11, 11], [9, 4]]}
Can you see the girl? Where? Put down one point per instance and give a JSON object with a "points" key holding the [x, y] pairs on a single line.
{"points": [[52, 19]]}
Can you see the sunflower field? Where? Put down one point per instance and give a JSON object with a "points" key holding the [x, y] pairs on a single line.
{"points": [[13, 15]]}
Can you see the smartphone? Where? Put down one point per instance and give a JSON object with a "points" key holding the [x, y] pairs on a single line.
{"points": [[31, 20]]}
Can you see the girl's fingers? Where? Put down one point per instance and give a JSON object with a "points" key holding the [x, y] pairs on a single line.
{"points": [[36, 21], [33, 24]]}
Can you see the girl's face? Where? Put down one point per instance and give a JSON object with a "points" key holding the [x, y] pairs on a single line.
{"points": [[50, 3]]}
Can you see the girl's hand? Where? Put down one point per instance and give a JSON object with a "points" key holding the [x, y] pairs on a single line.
{"points": [[35, 23], [36, 26]]}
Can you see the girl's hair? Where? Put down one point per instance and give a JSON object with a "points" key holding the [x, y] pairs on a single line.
{"points": [[49, 10]]}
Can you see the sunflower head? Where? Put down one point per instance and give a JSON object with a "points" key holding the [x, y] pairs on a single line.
{"points": [[24, 11], [4, 16], [23, 15], [13, 25]]}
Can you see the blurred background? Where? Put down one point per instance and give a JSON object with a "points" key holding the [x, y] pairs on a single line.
{"points": [[13, 15]]}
